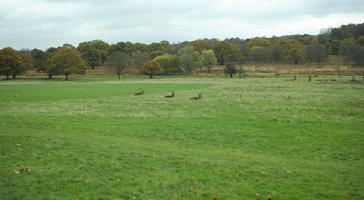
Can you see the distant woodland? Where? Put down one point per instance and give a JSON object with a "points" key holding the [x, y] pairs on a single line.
{"points": [[164, 58]]}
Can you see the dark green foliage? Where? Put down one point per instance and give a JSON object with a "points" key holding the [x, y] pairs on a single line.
{"points": [[139, 58], [90, 54], [230, 69], [261, 54], [38, 58], [316, 52], [118, 61], [188, 57], [66, 61]]}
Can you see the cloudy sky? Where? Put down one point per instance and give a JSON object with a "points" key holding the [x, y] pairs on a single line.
{"points": [[45, 23]]}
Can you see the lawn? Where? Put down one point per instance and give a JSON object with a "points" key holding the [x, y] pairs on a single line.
{"points": [[249, 138]]}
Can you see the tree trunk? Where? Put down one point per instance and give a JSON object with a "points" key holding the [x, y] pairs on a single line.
{"points": [[7, 76], [66, 77], [208, 69], [150, 76], [49, 76], [14, 76], [119, 76], [231, 75]]}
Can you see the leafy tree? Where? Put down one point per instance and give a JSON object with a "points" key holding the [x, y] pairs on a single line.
{"points": [[44, 64], [139, 58], [188, 57], [169, 63], [230, 69], [37, 57], [316, 52], [260, 42], [10, 63], [293, 50], [208, 59], [156, 49], [333, 46], [102, 47], [277, 53], [118, 61], [200, 45], [355, 55], [151, 68], [26, 57], [66, 61], [225, 51], [360, 40], [260, 54], [345, 49], [90, 54]]}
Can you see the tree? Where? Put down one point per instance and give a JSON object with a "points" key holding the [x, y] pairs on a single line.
{"points": [[316, 52], [139, 58], [151, 68], [90, 54], [225, 51], [230, 69], [200, 45], [293, 50], [260, 42], [169, 63], [345, 49], [102, 47], [277, 53], [44, 64], [156, 49], [66, 61], [10, 63], [360, 40], [37, 57], [355, 55], [260, 54], [188, 57], [118, 61], [27, 60], [208, 59]]}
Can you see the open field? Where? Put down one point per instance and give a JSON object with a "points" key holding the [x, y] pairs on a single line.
{"points": [[90, 138]]}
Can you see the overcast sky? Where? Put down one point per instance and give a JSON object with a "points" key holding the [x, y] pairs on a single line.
{"points": [[45, 23]]}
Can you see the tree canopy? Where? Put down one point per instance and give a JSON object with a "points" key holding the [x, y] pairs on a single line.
{"points": [[151, 68], [118, 61], [208, 59], [10, 63], [66, 61]]}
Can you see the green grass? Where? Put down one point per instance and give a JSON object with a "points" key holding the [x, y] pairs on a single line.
{"points": [[90, 138]]}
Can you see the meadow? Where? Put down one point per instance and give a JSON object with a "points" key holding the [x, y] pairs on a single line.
{"points": [[258, 137]]}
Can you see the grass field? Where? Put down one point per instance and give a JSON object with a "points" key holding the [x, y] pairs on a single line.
{"points": [[251, 138]]}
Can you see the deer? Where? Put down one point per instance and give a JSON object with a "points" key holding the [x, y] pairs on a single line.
{"points": [[170, 96], [139, 93], [197, 98]]}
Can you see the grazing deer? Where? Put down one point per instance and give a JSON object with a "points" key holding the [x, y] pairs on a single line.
{"points": [[170, 96], [139, 93], [197, 98]]}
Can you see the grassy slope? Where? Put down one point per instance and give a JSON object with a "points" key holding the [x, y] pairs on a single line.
{"points": [[90, 138]]}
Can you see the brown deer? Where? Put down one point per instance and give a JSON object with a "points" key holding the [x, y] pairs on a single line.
{"points": [[139, 93], [197, 98], [170, 96]]}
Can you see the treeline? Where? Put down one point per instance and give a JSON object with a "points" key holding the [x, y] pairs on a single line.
{"points": [[184, 57]]}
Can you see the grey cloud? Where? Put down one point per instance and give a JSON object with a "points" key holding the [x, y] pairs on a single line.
{"points": [[45, 23]]}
